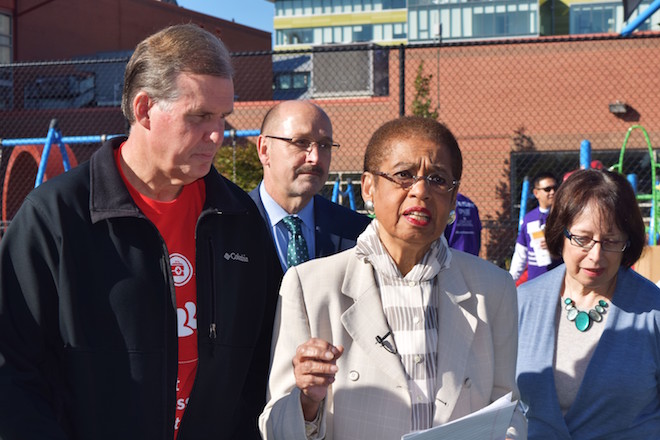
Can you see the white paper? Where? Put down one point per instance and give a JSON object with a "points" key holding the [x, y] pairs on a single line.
{"points": [[489, 423], [542, 255], [537, 235]]}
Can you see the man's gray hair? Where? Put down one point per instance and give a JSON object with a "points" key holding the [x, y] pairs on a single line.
{"points": [[159, 59]]}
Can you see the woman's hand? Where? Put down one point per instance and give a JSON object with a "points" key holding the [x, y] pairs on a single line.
{"points": [[314, 367]]}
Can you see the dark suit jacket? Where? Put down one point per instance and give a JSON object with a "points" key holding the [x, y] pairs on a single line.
{"points": [[337, 227]]}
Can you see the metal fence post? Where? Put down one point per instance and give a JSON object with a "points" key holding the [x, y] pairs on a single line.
{"points": [[402, 80]]}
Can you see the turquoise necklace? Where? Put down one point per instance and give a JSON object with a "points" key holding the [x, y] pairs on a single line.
{"points": [[583, 319]]}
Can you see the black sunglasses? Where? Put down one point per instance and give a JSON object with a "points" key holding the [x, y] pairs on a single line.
{"points": [[548, 188]]}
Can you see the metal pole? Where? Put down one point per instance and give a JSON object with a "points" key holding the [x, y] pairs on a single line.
{"points": [[438, 51], [232, 133], [641, 18], [402, 80], [524, 195], [585, 154], [50, 137]]}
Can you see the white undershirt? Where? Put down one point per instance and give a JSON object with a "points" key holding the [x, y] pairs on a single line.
{"points": [[573, 352]]}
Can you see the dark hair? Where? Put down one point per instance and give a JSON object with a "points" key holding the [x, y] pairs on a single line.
{"points": [[407, 127], [612, 195], [160, 58], [542, 175]]}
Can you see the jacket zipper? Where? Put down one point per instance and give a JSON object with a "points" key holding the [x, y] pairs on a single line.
{"points": [[212, 327]]}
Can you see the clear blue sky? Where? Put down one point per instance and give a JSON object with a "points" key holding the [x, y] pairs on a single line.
{"points": [[254, 13]]}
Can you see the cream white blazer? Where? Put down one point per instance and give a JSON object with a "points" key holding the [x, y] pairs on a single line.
{"points": [[336, 298]]}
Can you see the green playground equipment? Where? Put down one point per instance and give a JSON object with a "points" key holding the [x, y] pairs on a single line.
{"points": [[654, 196]]}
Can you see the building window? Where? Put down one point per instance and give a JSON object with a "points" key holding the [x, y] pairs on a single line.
{"points": [[597, 18], [341, 34], [363, 33], [292, 81], [399, 30], [337, 35], [5, 39], [474, 19], [286, 8]]}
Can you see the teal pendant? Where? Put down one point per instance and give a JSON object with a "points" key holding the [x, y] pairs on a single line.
{"points": [[583, 321]]}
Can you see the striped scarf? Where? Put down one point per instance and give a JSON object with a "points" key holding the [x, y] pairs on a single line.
{"points": [[410, 305]]}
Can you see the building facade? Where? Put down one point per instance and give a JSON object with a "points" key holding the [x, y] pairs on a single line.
{"points": [[300, 24], [309, 24], [76, 28], [98, 37]]}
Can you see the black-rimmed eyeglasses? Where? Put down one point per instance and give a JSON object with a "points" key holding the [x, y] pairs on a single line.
{"points": [[587, 243], [306, 144], [406, 180]]}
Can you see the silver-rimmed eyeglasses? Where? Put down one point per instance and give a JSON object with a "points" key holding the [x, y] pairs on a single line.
{"points": [[306, 144], [406, 180], [587, 243]]}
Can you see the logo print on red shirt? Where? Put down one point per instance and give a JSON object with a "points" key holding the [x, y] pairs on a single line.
{"points": [[182, 270]]}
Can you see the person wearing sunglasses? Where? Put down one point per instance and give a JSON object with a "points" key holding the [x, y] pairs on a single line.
{"points": [[531, 253], [589, 350], [400, 333]]}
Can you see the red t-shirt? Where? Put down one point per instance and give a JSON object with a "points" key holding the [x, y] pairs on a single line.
{"points": [[176, 222]]}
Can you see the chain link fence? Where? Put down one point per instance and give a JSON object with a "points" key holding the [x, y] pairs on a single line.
{"points": [[517, 107]]}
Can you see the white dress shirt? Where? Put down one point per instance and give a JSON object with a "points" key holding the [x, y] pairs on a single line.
{"points": [[280, 233]]}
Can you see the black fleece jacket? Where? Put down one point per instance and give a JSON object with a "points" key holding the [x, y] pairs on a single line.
{"points": [[88, 333]]}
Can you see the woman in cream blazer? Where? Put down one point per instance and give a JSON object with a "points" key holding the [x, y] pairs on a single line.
{"points": [[357, 384]]}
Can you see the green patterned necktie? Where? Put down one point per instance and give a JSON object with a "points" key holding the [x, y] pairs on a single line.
{"points": [[296, 252]]}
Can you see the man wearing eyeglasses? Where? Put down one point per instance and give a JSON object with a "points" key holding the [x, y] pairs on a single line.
{"points": [[295, 149], [531, 251]]}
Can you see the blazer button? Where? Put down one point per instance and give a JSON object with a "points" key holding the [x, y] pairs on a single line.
{"points": [[353, 375], [467, 383]]}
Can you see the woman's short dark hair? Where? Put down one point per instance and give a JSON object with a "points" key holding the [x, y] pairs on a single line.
{"points": [[612, 195], [407, 127]]}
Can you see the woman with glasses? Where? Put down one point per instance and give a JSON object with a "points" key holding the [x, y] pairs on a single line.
{"points": [[399, 333], [589, 330]]}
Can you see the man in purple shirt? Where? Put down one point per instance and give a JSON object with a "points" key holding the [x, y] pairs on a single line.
{"points": [[464, 233], [531, 251]]}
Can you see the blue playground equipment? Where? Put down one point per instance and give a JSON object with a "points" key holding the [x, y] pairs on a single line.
{"points": [[641, 18], [54, 137], [585, 154], [336, 192], [524, 196], [653, 197]]}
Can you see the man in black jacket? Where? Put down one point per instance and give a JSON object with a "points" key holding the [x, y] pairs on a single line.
{"points": [[137, 291]]}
